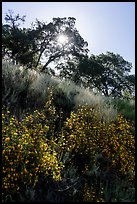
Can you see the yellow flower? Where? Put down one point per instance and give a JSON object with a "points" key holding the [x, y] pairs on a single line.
{"points": [[6, 157], [7, 139], [25, 170], [3, 151]]}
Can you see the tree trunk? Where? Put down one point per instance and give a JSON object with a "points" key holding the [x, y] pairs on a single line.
{"points": [[51, 59]]}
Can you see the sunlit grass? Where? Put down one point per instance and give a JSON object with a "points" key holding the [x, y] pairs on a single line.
{"points": [[29, 89]]}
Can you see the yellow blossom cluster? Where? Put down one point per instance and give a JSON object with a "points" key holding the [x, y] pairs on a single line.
{"points": [[26, 151], [85, 133], [89, 194]]}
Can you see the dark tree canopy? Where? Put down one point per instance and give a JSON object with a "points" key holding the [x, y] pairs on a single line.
{"points": [[39, 47], [114, 76], [14, 20], [29, 46], [108, 73]]}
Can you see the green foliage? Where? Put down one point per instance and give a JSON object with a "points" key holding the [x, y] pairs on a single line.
{"points": [[125, 107]]}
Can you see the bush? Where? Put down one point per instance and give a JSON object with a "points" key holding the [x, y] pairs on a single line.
{"points": [[125, 107], [103, 152], [105, 111], [40, 87], [88, 160], [15, 79], [15, 85], [26, 153]]}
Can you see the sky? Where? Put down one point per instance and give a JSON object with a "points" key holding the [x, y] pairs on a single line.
{"points": [[106, 26]]}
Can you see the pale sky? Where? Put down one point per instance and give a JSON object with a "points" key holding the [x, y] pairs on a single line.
{"points": [[106, 26]]}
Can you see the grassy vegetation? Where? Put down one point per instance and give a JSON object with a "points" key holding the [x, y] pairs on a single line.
{"points": [[61, 142]]}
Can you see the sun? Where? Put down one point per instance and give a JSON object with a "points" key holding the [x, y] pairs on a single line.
{"points": [[62, 39]]}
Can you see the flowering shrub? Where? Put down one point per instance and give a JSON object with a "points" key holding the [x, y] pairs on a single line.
{"points": [[26, 152], [87, 158], [109, 147]]}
